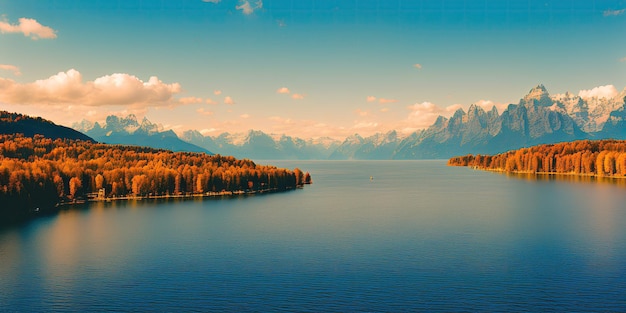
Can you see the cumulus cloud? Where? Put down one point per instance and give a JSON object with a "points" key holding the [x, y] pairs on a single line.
{"points": [[608, 92], [371, 98], [283, 90], [69, 88], [228, 100], [297, 96], [29, 27], [417, 66], [613, 12], [209, 101], [622, 59], [217, 92], [247, 8], [190, 100], [244, 116], [11, 68], [424, 114]]}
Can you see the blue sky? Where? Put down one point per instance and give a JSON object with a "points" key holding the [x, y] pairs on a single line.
{"points": [[303, 67]]}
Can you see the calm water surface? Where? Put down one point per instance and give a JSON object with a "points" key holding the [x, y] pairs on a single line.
{"points": [[420, 236]]}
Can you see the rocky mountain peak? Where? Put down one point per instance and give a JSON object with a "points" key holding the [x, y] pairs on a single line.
{"points": [[83, 125], [538, 96]]}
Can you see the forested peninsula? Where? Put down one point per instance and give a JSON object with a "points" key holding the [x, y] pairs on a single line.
{"points": [[600, 158], [38, 174]]}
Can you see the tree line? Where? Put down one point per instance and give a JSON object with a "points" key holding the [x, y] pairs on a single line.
{"points": [[605, 158], [38, 172]]}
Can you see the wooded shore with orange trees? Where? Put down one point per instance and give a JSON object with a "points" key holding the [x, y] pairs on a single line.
{"points": [[38, 173], [602, 158]]}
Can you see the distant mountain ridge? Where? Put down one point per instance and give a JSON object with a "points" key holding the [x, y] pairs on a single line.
{"points": [[538, 118], [261, 146], [15, 123], [128, 131]]}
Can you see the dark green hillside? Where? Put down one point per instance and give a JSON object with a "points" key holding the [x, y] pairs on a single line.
{"points": [[15, 123]]}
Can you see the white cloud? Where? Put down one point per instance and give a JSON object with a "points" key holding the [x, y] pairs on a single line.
{"points": [[212, 1], [417, 66], [29, 27], [228, 100], [424, 114], [12, 68], [371, 98], [297, 96], [69, 88], [283, 90], [190, 100], [608, 92], [613, 12], [247, 8]]}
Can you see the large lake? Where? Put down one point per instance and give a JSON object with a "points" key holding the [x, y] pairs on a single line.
{"points": [[420, 236]]}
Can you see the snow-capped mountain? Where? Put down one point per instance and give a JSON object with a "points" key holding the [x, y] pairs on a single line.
{"points": [[537, 118], [590, 114], [128, 131]]}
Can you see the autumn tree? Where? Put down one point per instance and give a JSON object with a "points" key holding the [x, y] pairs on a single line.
{"points": [[99, 181], [75, 185]]}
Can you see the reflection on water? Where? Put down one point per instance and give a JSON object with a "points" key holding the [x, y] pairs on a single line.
{"points": [[592, 198], [420, 236], [570, 178]]}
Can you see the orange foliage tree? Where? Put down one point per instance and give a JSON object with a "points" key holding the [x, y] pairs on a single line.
{"points": [[584, 157], [37, 171]]}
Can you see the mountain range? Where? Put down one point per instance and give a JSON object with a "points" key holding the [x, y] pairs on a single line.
{"points": [[538, 118], [128, 131]]}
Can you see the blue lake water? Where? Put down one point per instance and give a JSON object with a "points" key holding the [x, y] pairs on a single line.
{"points": [[420, 236]]}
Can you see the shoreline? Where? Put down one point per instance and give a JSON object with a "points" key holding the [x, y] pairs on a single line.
{"points": [[568, 174], [209, 194], [57, 207]]}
